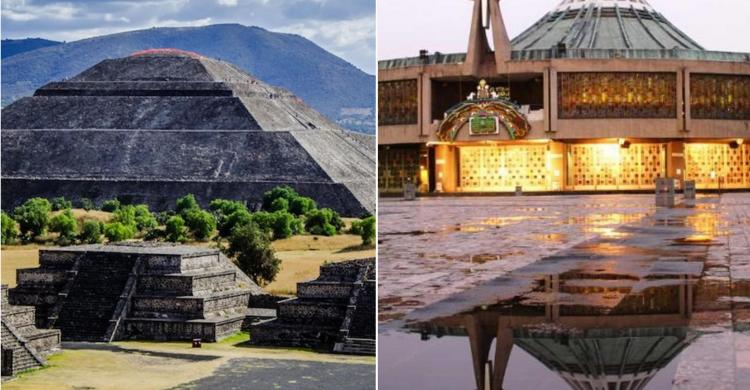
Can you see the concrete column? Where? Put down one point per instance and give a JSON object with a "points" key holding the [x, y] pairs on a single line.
{"points": [[425, 104], [480, 342], [553, 99], [503, 347]]}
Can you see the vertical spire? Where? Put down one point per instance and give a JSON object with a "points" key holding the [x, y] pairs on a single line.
{"points": [[487, 15]]}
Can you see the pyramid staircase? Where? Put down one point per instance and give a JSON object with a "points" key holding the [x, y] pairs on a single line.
{"points": [[144, 291], [332, 310], [23, 345]]}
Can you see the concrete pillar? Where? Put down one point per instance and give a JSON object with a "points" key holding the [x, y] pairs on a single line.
{"points": [[503, 347], [480, 342]]}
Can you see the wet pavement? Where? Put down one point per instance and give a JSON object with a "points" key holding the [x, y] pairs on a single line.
{"points": [[596, 292]]}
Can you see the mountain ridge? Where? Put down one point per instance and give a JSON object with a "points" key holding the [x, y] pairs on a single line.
{"points": [[331, 85]]}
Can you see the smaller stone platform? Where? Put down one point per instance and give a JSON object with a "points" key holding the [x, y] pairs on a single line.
{"points": [[24, 346], [136, 291], [335, 312]]}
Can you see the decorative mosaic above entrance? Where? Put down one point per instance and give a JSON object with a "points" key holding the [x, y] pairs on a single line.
{"points": [[484, 110]]}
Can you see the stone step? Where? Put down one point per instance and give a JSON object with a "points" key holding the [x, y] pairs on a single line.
{"points": [[199, 283], [354, 346], [19, 316], [167, 329], [189, 307], [276, 333], [324, 290], [302, 310]]}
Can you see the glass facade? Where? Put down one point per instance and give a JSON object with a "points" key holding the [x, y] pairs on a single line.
{"points": [[718, 165], [397, 102], [719, 96], [590, 95]]}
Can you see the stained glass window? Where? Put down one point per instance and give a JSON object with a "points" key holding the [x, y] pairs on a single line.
{"points": [[589, 95], [719, 96], [397, 102]]}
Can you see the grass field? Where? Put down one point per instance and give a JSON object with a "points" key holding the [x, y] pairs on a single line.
{"points": [[151, 365], [301, 256]]}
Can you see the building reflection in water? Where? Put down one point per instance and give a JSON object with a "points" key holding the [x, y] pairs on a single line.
{"points": [[611, 332]]}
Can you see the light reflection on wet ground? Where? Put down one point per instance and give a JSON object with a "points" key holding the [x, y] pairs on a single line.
{"points": [[657, 301]]}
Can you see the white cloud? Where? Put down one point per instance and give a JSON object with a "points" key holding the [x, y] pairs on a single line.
{"points": [[227, 3]]}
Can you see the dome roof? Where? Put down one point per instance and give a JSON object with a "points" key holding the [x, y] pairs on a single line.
{"points": [[604, 24]]}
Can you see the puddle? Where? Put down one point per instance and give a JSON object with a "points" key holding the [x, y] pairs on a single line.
{"points": [[650, 301]]}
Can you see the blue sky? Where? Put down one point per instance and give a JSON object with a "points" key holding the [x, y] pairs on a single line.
{"points": [[343, 27], [406, 26]]}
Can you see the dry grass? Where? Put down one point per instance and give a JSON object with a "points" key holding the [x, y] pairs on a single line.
{"points": [[13, 257]]}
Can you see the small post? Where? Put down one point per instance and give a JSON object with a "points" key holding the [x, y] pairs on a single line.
{"points": [[410, 191], [196, 343], [688, 193], [665, 192], [519, 191]]}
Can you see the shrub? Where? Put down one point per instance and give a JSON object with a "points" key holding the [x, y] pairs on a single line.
{"points": [[87, 204], [91, 232], [367, 230], [60, 203], [201, 223], [185, 204], [117, 231], [356, 228], [223, 208], [264, 220], [9, 229], [111, 205], [283, 192], [163, 216], [251, 250], [65, 224], [175, 229], [284, 225], [32, 217], [238, 218], [302, 205], [126, 216], [324, 222], [144, 219], [279, 204]]}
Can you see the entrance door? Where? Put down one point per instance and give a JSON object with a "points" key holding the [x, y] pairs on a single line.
{"points": [[7, 364]]}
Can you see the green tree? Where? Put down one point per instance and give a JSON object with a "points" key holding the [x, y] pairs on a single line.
{"points": [[283, 192], [367, 230], [144, 219], [117, 231], [9, 229], [302, 205], [126, 216], [237, 218], [324, 222], [66, 226], [223, 208], [87, 204], [111, 205], [284, 225], [175, 229], [60, 203], [279, 204], [264, 220], [32, 217], [186, 203], [251, 250], [201, 223], [91, 232]]}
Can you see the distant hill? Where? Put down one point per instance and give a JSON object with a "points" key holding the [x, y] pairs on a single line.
{"points": [[328, 83], [11, 47]]}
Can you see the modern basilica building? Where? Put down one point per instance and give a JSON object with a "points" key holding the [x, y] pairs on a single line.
{"points": [[598, 95]]}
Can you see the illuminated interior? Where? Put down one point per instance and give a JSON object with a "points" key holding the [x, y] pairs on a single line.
{"points": [[612, 167], [718, 165], [502, 168]]}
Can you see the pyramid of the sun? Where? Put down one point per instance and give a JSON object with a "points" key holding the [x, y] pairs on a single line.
{"points": [[160, 124]]}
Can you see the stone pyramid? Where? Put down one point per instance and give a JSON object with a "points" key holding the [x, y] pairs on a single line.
{"points": [[163, 123]]}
